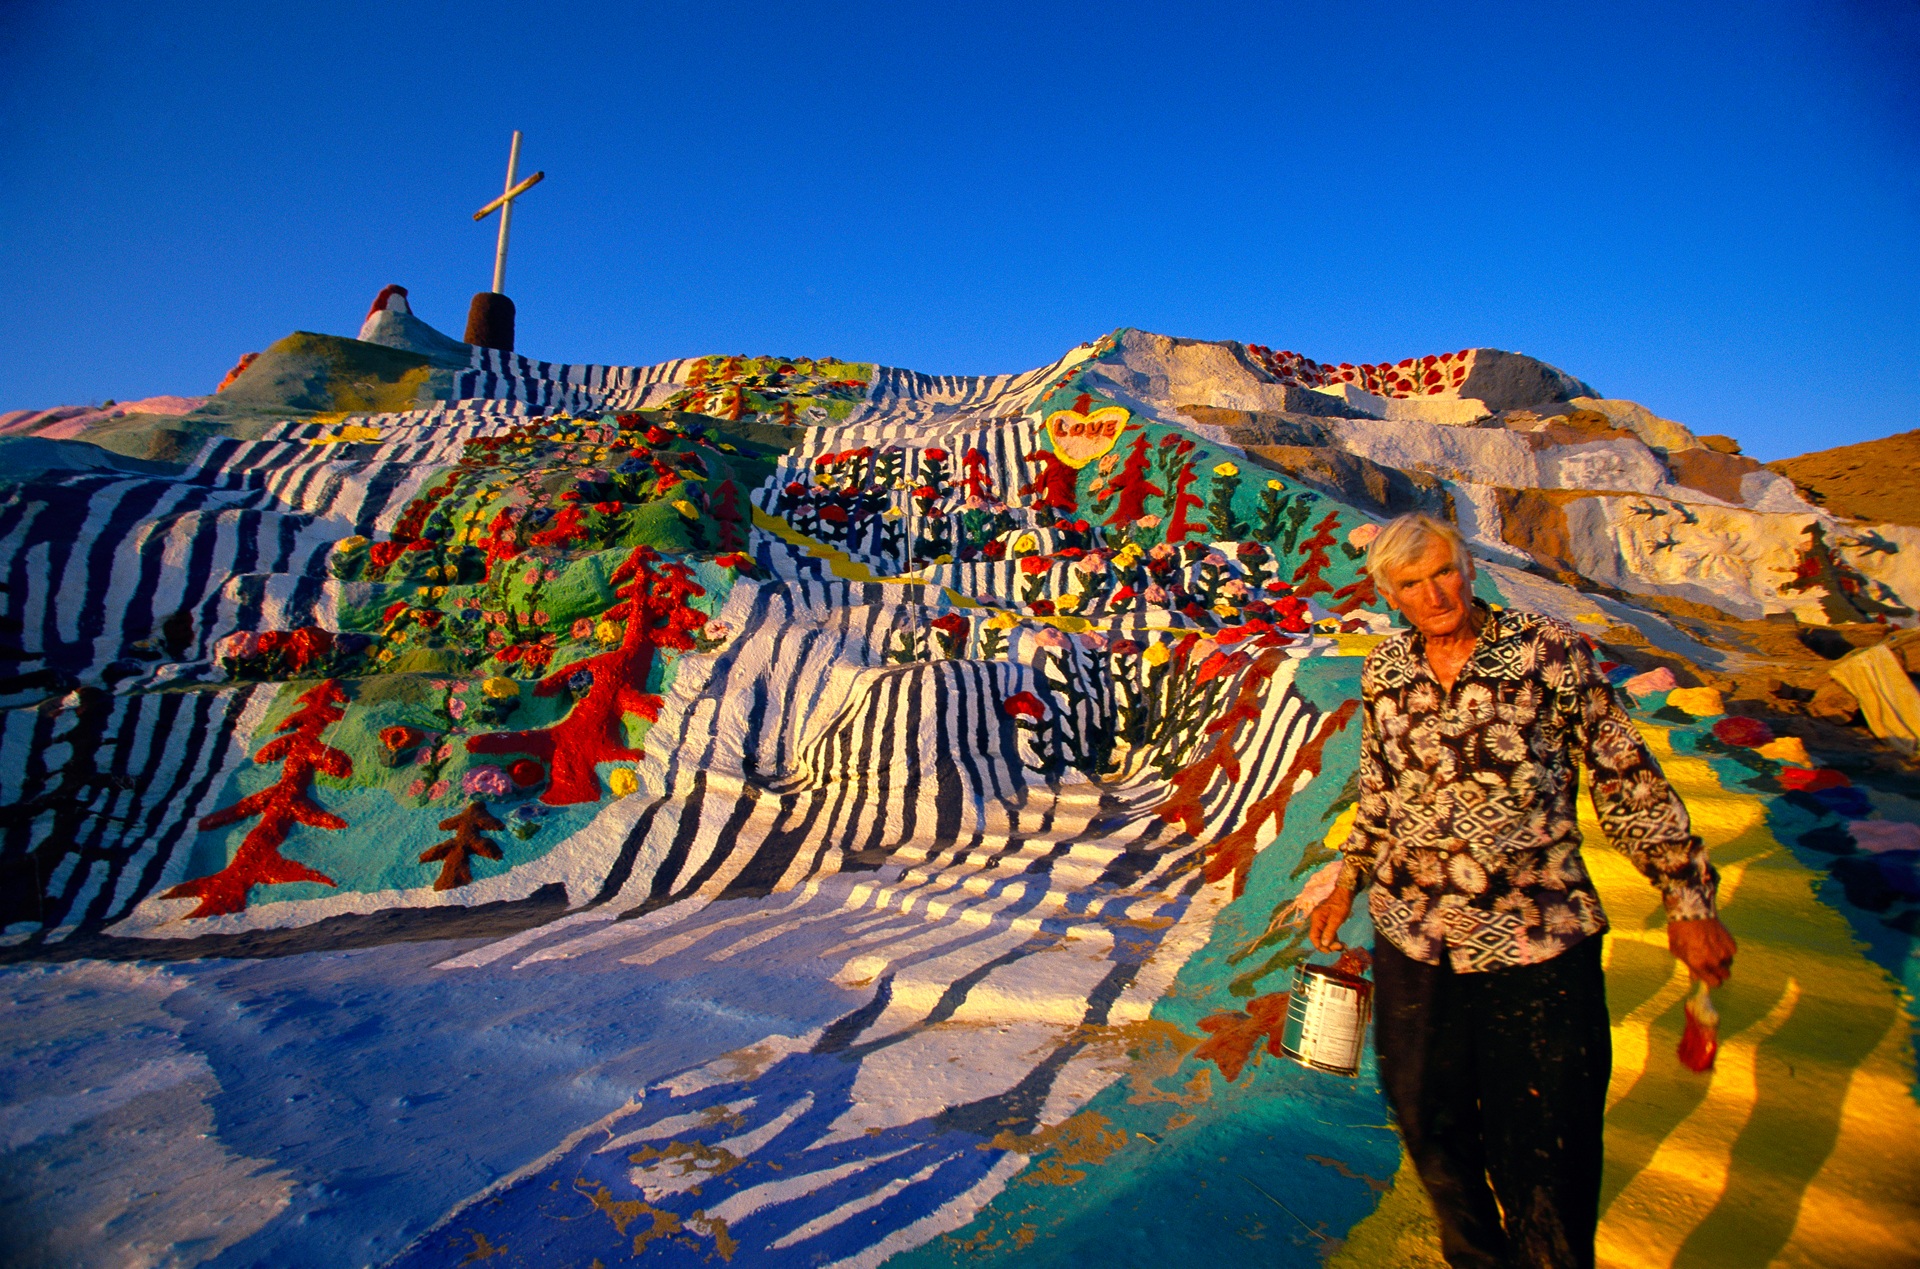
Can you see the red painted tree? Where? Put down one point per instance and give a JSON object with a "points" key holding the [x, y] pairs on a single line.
{"points": [[1179, 528], [1306, 579], [657, 616], [1055, 483], [259, 862], [726, 510], [1359, 594], [455, 855], [1131, 486], [976, 479]]}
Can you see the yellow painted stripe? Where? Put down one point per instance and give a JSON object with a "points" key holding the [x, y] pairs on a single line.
{"points": [[1799, 1149]]}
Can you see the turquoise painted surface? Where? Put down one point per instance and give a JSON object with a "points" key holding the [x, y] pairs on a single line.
{"points": [[1174, 1160]]}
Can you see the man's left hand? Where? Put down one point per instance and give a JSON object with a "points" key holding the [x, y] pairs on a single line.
{"points": [[1705, 947]]}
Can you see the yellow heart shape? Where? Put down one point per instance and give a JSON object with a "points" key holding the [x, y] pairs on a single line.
{"points": [[1080, 438]]}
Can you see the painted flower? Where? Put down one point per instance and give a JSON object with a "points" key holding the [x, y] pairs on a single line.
{"points": [[1226, 469], [1156, 654], [437, 790], [1026, 544], [1024, 705], [415, 789], [582, 628], [606, 632], [457, 709], [686, 508], [525, 772], [399, 738], [1034, 565], [1363, 534], [500, 689], [1002, 621], [623, 782], [1275, 485], [486, 781]]}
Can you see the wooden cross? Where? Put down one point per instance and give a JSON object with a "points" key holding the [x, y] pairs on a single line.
{"points": [[505, 204]]}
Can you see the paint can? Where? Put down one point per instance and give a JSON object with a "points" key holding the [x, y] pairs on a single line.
{"points": [[1327, 1017]]}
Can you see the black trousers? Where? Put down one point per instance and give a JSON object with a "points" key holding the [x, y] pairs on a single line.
{"points": [[1498, 1081]]}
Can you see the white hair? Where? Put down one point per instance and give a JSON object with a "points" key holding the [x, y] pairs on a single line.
{"points": [[1405, 539]]}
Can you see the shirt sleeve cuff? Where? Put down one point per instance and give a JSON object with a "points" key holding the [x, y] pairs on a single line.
{"points": [[1694, 897], [1354, 875]]}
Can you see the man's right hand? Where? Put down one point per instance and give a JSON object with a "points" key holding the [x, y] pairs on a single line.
{"points": [[1323, 924]]}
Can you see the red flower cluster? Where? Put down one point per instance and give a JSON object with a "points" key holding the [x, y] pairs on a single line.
{"points": [[951, 623], [1024, 705]]}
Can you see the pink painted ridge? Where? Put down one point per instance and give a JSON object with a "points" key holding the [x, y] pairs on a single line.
{"points": [[68, 422]]}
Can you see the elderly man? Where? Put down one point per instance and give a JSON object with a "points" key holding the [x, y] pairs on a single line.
{"points": [[1491, 1015]]}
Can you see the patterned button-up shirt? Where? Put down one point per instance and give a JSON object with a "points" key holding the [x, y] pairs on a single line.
{"points": [[1466, 825]]}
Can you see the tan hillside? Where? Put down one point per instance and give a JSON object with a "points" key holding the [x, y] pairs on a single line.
{"points": [[1874, 480]]}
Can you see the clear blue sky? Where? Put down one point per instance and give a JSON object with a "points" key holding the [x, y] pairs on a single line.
{"points": [[1710, 208]]}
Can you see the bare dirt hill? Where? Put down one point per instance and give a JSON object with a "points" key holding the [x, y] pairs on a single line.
{"points": [[1874, 480]]}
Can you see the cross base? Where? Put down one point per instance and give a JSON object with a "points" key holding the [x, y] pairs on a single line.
{"points": [[490, 321]]}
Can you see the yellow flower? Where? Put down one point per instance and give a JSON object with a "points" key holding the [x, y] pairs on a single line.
{"points": [[1275, 485], [623, 781], [386, 654], [1027, 545], [348, 544], [500, 689], [1226, 469], [686, 509], [1002, 621], [1067, 602], [1225, 609], [439, 592], [607, 633], [1156, 654]]}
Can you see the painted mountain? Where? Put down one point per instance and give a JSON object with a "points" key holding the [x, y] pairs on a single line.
{"points": [[777, 810]]}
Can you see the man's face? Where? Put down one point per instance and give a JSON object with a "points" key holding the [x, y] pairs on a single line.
{"points": [[1432, 592]]}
